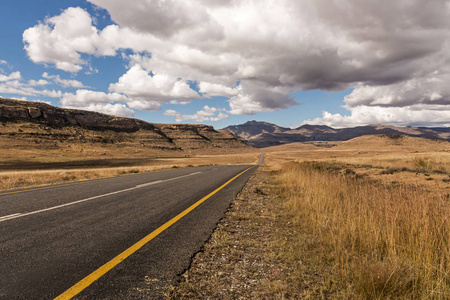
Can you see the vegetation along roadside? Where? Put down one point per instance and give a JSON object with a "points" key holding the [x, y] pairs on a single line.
{"points": [[313, 231]]}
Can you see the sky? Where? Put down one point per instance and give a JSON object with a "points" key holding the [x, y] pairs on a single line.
{"points": [[341, 63]]}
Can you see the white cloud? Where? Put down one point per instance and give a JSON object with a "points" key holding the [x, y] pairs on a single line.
{"points": [[58, 40], [144, 105], [430, 90], [33, 82], [115, 103], [63, 82], [179, 102], [13, 84], [436, 115], [51, 94], [117, 109], [171, 113], [213, 89], [207, 114], [138, 83], [389, 53], [414, 101], [220, 116], [83, 97], [98, 101], [12, 76]]}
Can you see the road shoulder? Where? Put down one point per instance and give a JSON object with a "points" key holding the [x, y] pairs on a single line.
{"points": [[250, 254]]}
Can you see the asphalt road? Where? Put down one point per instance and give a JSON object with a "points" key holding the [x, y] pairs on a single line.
{"points": [[52, 238]]}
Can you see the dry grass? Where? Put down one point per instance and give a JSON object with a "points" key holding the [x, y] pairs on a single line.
{"points": [[22, 179], [381, 241], [339, 227], [377, 151]]}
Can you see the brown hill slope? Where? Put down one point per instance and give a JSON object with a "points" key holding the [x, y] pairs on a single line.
{"points": [[32, 131], [394, 142]]}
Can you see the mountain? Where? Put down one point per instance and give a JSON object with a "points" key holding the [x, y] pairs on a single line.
{"points": [[254, 128], [29, 125], [263, 134]]}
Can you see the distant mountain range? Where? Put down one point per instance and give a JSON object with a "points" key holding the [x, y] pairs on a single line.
{"points": [[263, 134]]}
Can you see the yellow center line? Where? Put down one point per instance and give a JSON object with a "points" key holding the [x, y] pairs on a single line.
{"points": [[88, 280]]}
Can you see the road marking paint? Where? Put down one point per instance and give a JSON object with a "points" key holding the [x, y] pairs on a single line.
{"points": [[150, 183], [170, 179], [20, 215], [8, 216], [88, 280], [165, 180]]}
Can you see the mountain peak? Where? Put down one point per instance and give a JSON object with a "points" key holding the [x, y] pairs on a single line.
{"points": [[309, 126]]}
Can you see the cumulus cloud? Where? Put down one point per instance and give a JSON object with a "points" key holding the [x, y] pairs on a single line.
{"points": [[144, 105], [63, 82], [109, 103], [431, 90], [13, 84], [10, 77], [39, 82], [204, 115], [138, 83], [60, 39], [214, 89], [116, 109], [253, 98], [419, 115], [393, 55], [416, 101], [82, 97]]}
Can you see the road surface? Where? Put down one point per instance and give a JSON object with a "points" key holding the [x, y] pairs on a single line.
{"points": [[73, 240]]}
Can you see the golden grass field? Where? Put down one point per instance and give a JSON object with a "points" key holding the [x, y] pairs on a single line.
{"points": [[378, 211]]}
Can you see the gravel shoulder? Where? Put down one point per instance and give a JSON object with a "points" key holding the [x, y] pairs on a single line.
{"points": [[256, 252]]}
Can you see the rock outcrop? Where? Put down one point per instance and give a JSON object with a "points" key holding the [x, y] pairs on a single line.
{"points": [[72, 124], [42, 113]]}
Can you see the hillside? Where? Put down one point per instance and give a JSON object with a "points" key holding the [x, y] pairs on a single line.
{"points": [[394, 142], [37, 131], [263, 134]]}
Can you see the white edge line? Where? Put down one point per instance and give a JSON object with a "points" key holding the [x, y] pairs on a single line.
{"points": [[19, 215], [9, 216], [147, 184]]}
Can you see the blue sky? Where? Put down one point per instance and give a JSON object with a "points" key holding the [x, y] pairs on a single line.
{"points": [[220, 64]]}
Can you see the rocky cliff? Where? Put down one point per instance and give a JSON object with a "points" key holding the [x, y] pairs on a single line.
{"points": [[42, 113], [43, 122]]}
